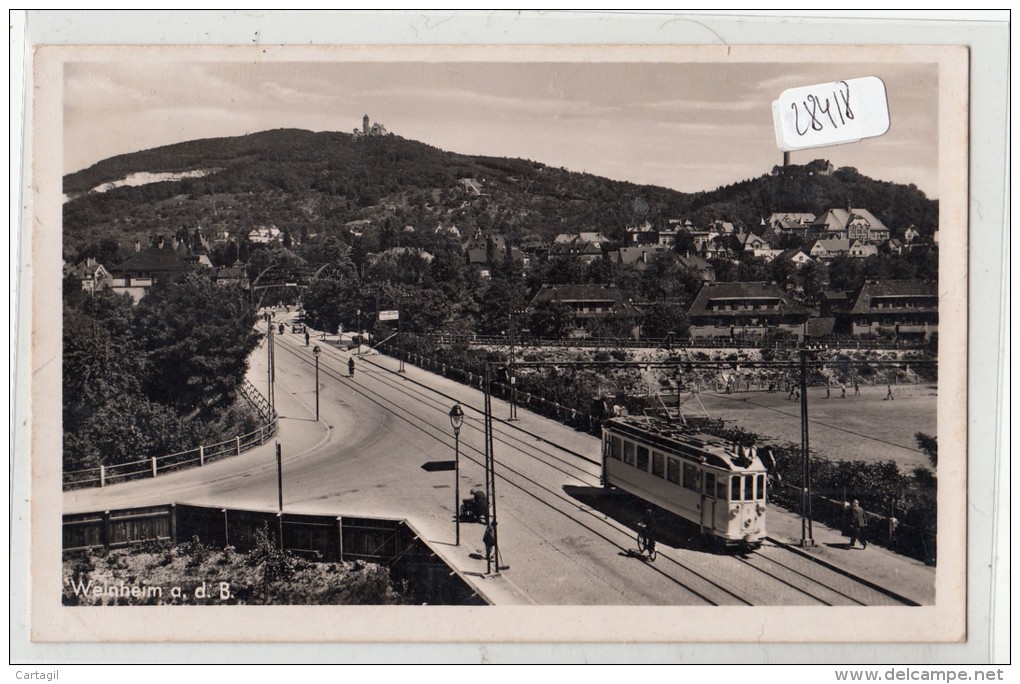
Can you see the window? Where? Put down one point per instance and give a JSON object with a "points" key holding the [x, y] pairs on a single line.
{"points": [[710, 484], [761, 487], [692, 477], [628, 453], [673, 470], [720, 488], [658, 464], [616, 449], [735, 488], [642, 458], [748, 487]]}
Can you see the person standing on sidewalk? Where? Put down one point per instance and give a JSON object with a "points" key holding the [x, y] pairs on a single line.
{"points": [[858, 521]]}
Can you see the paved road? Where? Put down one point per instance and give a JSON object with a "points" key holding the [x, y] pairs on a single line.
{"points": [[565, 541]]}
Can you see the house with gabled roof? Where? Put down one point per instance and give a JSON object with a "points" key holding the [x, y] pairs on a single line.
{"points": [[137, 273], [639, 256], [824, 250], [898, 308], [862, 250], [796, 256], [737, 309], [704, 269], [850, 224], [92, 275], [796, 222], [584, 246], [589, 303]]}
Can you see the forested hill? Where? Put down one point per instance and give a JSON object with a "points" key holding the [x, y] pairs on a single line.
{"points": [[317, 183]]}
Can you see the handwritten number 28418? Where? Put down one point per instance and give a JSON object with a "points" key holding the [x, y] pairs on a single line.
{"points": [[836, 105]]}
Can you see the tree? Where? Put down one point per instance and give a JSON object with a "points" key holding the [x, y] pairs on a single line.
{"points": [[551, 320], [811, 277], [930, 446], [845, 273], [782, 272], [665, 318], [197, 336]]}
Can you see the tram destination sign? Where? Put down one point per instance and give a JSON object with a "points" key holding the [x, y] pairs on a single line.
{"points": [[389, 315]]}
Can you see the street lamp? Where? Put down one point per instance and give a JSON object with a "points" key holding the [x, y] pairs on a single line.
{"points": [[315, 352], [456, 420]]}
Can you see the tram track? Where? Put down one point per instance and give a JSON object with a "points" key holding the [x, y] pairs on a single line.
{"points": [[712, 591]]}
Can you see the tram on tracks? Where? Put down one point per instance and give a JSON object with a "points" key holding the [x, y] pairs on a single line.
{"points": [[715, 484]]}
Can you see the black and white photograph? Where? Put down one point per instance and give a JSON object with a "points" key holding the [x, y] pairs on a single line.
{"points": [[588, 343]]}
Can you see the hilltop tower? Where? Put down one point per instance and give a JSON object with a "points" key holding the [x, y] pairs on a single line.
{"points": [[365, 128]]}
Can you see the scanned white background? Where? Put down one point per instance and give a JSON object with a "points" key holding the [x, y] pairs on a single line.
{"points": [[985, 374]]}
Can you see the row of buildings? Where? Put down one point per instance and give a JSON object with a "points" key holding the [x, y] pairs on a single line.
{"points": [[896, 309]]}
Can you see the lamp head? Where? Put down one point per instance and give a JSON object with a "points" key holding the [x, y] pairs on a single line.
{"points": [[456, 417], [316, 351]]}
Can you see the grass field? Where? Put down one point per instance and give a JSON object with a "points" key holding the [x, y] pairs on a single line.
{"points": [[859, 428]]}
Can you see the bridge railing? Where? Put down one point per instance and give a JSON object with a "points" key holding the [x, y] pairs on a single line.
{"points": [[153, 466]]}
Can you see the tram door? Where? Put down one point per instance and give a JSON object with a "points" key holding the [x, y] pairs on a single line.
{"points": [[708, 502]]}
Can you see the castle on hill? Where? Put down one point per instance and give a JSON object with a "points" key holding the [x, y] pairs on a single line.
{"points": [[370, 129]]}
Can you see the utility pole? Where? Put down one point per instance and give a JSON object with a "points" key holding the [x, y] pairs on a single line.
{"points": [[513, 370], [270, 375], [279, 475], [806, 532], [492, 560]]}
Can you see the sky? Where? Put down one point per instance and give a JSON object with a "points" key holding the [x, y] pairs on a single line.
{"points": [[685, 126]]}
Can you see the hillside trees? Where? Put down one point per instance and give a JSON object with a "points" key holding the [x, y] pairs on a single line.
{"points": [[155, 378]]}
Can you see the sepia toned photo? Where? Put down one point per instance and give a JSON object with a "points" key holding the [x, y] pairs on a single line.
{"points": [[500, 344]]}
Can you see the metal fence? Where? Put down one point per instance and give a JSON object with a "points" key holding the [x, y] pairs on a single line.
{"points": [[153, 466], [883, 530], [751, 342]]}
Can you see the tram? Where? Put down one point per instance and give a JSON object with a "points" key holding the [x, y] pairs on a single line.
{"points": [[715, 484]]}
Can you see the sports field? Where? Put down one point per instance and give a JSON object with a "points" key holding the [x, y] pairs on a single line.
{"points": [[867, 427]]}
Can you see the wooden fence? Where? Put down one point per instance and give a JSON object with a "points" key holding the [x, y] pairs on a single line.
{"points": [[391, 543], [153, 466]]}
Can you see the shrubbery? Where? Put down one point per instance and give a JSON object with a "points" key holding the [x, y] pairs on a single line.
{"points": [[265, 575]]}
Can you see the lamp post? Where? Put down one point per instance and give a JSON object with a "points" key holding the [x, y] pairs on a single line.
{"points": [[456, 420], [315, 352], [359, 332]]}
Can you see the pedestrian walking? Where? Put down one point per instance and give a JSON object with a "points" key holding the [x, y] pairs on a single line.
{"points": [[827, 392], [489, 539], [307, 338], [888, 393], [842, 390], [858, 521], [857, 389]]}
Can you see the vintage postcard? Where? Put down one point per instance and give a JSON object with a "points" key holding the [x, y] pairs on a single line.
{"points": [[499, 344]]}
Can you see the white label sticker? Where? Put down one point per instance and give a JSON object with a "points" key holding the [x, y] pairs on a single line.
{"points": [[831, 113]]}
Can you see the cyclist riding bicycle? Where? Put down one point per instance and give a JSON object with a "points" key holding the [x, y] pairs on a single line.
{"points": [[646, 533]]}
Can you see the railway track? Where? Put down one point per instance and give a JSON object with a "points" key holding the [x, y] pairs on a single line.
{"points": [[775, 571]]}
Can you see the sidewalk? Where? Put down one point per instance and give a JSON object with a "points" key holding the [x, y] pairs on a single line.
{"points": [[901, 575]]}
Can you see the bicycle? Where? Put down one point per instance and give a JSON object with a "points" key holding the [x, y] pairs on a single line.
{"points": [[646, 543]]}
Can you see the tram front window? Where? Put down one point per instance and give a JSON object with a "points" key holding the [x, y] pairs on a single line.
{"points": [[710, 484], [761, 487], [735, 488], [748, 487]]}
